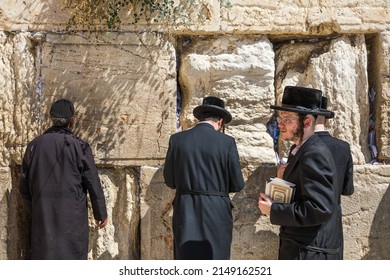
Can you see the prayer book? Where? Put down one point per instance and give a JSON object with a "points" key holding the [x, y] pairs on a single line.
{"points": [[280, 190]]}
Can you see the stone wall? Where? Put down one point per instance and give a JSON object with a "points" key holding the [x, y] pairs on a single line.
{"points": [[125, 86]]}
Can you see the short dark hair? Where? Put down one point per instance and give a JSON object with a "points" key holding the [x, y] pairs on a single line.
{"points": [[62, 122], [210, 117]]}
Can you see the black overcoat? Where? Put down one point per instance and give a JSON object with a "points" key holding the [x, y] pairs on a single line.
{"points": [[203, 166], [309, 223], [58, 171], [341, 153]]}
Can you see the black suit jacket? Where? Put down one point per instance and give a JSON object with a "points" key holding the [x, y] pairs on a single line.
{"points": [[308, 223], [203, 166]]}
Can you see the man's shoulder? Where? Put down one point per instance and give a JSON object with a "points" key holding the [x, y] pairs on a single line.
{"points": [[336, 144]]}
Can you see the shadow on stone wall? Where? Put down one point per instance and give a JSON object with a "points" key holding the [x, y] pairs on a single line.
{"points": [[19, 222], [156, 216], [378, 240], [254, 238]]}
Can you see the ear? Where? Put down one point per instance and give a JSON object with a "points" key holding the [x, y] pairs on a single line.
{"points": [[307, 122]]}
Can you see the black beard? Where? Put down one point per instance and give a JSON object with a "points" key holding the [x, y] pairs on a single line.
{"points": [[298, 133]]}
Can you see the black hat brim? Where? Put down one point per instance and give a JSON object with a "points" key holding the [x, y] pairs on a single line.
{"points": [[211, 109], [303, 110]]}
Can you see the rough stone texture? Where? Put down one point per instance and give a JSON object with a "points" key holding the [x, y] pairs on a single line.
{"points": [[366, 214], [125, 84], [156, 215], [5, 188], [305, 17], [120, 238], [16, 95], [225, 16], [339, 68], [381, 48], [241, 71], [123, 88]]}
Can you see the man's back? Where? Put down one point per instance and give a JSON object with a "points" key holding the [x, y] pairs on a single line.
{"points": [[341, 153], [57, 171], [203, 159], [203, 166]]}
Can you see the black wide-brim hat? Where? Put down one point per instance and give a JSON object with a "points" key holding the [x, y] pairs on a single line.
{"points": [[302, 100], [214, 106], [324, 106]]}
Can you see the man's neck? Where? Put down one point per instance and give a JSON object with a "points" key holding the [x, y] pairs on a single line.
{"points": [[214, 124], [319, 127]]}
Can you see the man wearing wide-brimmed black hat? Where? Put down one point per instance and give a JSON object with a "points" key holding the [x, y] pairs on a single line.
{"points": [[308, 224], [58, 170], [203, 165]]}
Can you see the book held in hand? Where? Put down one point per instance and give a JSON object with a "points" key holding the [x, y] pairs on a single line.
{"points": [[280, 190]]}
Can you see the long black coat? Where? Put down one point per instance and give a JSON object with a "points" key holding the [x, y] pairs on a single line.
{"points": [[341, 153], [203, 166], [57, 172], [309, 223]]}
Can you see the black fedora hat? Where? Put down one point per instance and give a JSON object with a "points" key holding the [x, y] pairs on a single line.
{"points": [[62, 108], [212, 105], [324, 106], [302, 100]]}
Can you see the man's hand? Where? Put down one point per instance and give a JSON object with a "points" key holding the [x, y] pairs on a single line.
{"points": [[280, 170], [102, 224], [265, 204]]}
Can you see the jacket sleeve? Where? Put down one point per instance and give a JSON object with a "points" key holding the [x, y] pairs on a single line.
{"points": [[91, 181], [236, 180], [169, 176], [348, 186], [318, 198], [24, 186]]}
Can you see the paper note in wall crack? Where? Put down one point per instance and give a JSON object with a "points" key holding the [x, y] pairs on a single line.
{"points": [[280, 190]]}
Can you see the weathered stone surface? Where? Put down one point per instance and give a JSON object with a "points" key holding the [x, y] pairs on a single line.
{"points": [[18, 100], [338, 67], [5, 188], [304, 17], [120, 238], [366, 214], [156, 215], [382, 60], [240, 71], [123, 87], [215, 16]]}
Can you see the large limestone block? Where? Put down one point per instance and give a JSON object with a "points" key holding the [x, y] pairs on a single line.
{"points": [[191, 16], [304, 17], [156, 215], [240, 70], [5, 187], [366, 214], [7, 85], [123, 87], [19, 115], [382, 54], [32, 15], [254, 237], [120, 238], [15, 215], [339, 68]]}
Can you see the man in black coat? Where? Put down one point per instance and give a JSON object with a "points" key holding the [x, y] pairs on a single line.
{"points": [[341, 153], [58, 171], [203, 165], [308, 223]]}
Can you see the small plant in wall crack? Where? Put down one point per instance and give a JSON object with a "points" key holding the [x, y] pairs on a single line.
{"points": [[100, 14], [95, 15]]}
